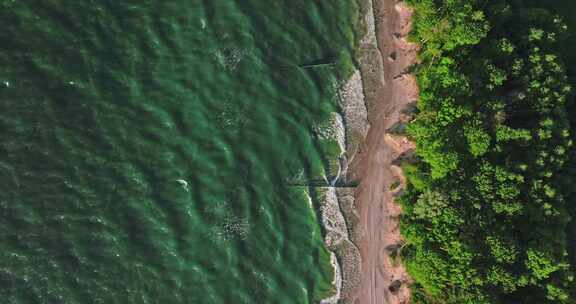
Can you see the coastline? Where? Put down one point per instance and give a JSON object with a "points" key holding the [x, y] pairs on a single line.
{"points": [[359, 216], [389, 101]]}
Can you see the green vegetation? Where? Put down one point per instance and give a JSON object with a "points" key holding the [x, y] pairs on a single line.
{"points": [[486, 217]]}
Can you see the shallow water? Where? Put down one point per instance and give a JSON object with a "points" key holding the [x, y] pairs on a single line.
{"points": [[148, 148]]}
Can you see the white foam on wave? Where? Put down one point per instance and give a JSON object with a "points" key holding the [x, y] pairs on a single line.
{"points": [[183, 183], [297, 177], [336, 281], [227, 226], [230, 58], [334, 129], [336, 236], [349, 130]]}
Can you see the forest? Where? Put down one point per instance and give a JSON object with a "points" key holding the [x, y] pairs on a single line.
{"points": [[489, 203]]}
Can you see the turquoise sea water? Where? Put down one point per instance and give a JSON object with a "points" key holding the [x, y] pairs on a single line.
{"points": [[147, 148]]}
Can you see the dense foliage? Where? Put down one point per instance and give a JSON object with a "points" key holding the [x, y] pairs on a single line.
{"points": [[485, 220]]}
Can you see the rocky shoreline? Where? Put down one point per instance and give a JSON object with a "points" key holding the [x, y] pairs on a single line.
{"points": [[338, 210], [337, 206]]}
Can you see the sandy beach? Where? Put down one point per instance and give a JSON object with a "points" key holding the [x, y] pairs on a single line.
{"points": [[382, 280], [360, 216], [363, 222]]}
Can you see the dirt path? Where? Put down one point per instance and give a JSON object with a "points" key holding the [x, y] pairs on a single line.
{"points": [[377, 235]]}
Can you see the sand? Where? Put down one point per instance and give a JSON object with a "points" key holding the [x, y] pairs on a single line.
{"points": [[391, 92], [360, 217]]}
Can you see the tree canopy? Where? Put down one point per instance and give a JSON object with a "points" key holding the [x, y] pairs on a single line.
{"points": [[485, 218]]}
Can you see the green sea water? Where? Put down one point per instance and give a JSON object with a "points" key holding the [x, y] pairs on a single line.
{"points": [[148, 148]]}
